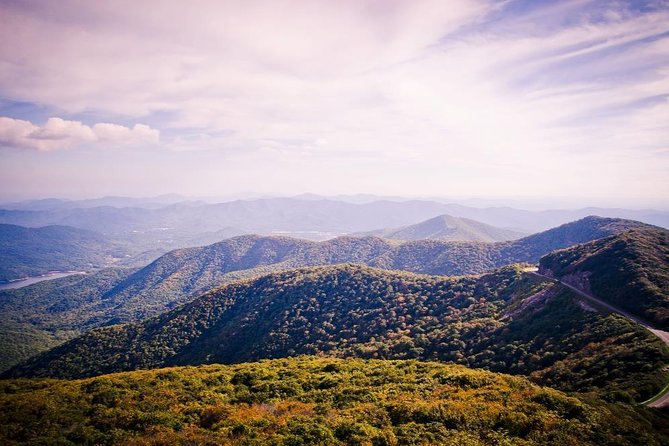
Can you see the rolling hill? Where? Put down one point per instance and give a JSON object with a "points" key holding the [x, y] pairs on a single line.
{"points": [[446, 227], [181, 275], [316, 401], [34, 251], [349, 310], [629, 270]]}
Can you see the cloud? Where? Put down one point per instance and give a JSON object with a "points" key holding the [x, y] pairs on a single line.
{"points": [[59, 133], [118, 133], [469, 95]]}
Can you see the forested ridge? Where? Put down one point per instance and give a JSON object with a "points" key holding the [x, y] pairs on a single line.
{"points": [[48, 313], [316, 401], [629, 270], [505, 321]]}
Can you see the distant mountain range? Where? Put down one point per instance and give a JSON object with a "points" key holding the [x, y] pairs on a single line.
{"points": [[135, 236], [139, 230], [446, 227], [58, 309], [48, 204], [187, 218]]}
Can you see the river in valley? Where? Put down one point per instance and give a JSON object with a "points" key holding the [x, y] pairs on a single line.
{"points": [[34, 279]]}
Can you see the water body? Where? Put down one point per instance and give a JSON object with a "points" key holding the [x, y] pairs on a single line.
{"points": [[34, 279]]}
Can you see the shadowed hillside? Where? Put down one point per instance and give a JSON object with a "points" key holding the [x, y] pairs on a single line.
{"points": [[629, 270]]}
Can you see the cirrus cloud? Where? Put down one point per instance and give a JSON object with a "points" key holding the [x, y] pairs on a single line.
{"points": [[433, 97], [58, 133]]}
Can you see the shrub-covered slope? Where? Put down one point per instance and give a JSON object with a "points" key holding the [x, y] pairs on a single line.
{"points": [[447, 227], [315, 401], [506, 321], [629, 270]]}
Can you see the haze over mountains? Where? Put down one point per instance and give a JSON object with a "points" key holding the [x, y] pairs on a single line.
{"points": [[113, 201], [34, 251], [293, 214], [139, 230]]}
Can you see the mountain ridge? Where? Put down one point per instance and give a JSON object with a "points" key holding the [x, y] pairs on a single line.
{"points": [[446, 227], [629, 270], [358, 311], [292, 214], [183, 274]]}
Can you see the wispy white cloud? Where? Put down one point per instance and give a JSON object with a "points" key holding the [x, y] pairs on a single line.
{"points": [[59, 133], [468, 95]]}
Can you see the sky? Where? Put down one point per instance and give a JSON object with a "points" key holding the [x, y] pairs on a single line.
{"points": [[516, 98]]}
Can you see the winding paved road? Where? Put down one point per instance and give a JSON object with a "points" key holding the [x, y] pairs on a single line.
{"points": [[663, 400]]}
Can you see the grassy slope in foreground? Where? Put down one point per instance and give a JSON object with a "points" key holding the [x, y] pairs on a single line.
{"points": [[629, 270], [505, 321], [315, 401]]}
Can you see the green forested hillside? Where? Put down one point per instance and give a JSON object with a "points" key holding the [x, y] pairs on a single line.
{"points": [[533, 247], [183, 274], [505, 321], [316, 401], [447, 227], [34, 251], [43, 315], [629, 270]]}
